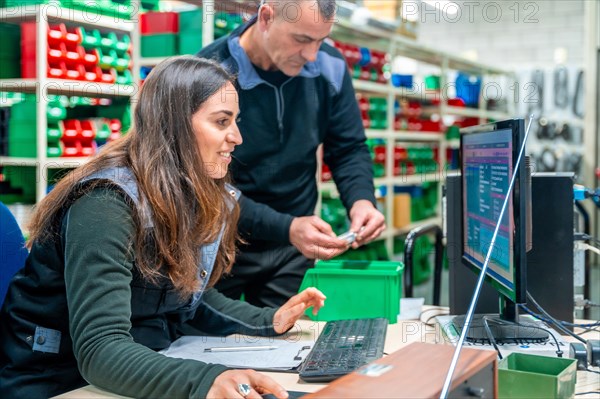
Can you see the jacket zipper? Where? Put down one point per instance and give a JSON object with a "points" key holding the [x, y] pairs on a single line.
{"points": [[279, 102]]}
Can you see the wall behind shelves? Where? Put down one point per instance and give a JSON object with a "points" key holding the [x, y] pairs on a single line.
{"points": [[503, 37]]}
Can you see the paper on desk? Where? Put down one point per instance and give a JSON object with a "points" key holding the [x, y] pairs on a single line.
{"points": [[280, 359]]}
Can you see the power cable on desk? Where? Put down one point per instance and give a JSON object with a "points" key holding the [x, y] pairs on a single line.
{"points": [[589, 326], [555, 322], [443, 311], [592, 371], [588, 393], [559, 352], [589, 330], [488, 332]]}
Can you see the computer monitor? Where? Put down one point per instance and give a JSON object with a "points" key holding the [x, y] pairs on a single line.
{"points": [[489, 155]]}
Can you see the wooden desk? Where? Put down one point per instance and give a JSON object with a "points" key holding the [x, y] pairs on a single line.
{"points": [[398, 336]]}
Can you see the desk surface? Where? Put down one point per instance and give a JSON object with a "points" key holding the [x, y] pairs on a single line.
{"points": [[398, 336]]}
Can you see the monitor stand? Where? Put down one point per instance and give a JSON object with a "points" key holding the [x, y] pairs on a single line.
{"points": [[503, 328], [504, 332]]}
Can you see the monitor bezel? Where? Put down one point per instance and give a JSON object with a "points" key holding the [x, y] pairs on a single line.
{"points": [[519, 203]]}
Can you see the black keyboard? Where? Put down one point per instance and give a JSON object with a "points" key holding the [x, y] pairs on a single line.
{"points": [[342, 347]]}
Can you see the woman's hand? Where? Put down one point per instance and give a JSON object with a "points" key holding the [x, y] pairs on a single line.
{"points": [[294, 308], [226, 385]]}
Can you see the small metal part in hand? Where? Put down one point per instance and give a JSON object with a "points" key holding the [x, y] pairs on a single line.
{"points": [[348, 236]]}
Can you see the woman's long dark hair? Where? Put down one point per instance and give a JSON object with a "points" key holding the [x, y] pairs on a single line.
{"points": [[188, 208]]}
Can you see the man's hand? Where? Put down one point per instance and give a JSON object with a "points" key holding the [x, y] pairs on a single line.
{"points": [[366, 221], [315, 239], [287, 315]]}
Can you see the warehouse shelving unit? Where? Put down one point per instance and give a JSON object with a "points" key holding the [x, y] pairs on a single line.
{"points": [[343, 31], [42, 86], [397, 45]]}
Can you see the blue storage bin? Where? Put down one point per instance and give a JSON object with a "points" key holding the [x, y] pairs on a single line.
{"points": [[468, 88]]}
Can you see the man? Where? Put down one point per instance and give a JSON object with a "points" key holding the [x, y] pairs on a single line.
{"points": [[295, 94]]}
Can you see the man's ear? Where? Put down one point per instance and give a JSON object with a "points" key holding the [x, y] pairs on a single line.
{"points": [[266, 15]]}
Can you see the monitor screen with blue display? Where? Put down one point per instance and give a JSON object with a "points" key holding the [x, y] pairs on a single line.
{"points": [[487, 168], [489, 156]]}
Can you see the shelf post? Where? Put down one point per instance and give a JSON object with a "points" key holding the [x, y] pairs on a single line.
{"points": [[41, 93], [208, 22]]}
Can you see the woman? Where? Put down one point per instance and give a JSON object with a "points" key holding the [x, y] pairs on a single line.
{"points": [[125, 250]]}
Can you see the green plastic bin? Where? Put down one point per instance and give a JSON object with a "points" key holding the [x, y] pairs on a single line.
{"points": [[528, 376], [190, 21], [190, 42], [159, 45], [356, 289]]}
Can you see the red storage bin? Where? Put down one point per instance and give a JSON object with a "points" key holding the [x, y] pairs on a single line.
{"points": [[115, 125], [363, 103], [88, 129], [400, 154], [379, 154], [71, 130], [56, 70], [88, 57], [159, 22], [87, 149], [352, 54], [378, 58], [106, 76], [325, 173], [71, 149], [366, 120], [88, 73], [28, 40], [57, 52], [56, 34], [61, 34]]}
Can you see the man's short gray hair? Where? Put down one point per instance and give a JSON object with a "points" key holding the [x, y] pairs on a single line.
{"points": [[326, 7]]}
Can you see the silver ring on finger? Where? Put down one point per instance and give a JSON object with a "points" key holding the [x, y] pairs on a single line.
{"points": [[244, 389]]}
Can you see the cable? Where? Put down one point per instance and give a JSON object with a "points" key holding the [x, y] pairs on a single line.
{"points": [[491, 336], [555, 322], [589, 330], [426, 322], [587, 393], [559, 353], [590, 326], [592, 371], [591, 248]]}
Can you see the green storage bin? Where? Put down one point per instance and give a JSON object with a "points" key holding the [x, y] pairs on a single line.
{"points": [[22, 179], [11, 41], [190, 21], [103, 7], [22, 141], [149, 5], [523, 375], [356, 289], [10, 67], [190, 42], [432, 82], [159, 45]]}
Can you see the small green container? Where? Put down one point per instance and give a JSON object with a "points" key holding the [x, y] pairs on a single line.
{"points": [[159, 45], [190, 42], [10, 67], [522, 375], [11, 41], [432, 82], [356, 289], [190, 21]]}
